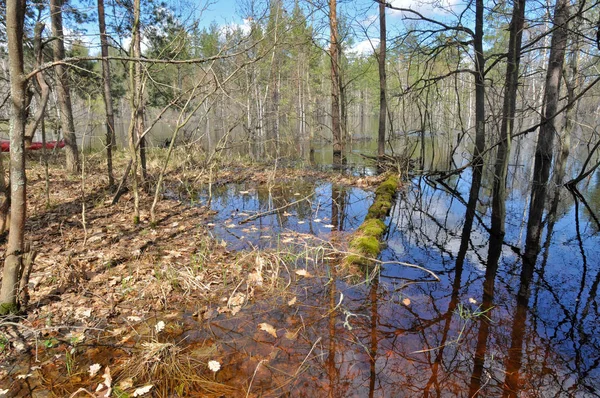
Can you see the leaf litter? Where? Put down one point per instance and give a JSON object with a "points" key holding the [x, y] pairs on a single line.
{"points": [[110, 280]]}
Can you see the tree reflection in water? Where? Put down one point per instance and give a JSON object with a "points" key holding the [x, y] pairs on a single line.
{"points": [[497, 324]]}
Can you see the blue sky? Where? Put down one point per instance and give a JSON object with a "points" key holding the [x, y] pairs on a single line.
{"points": [[232, 12]]}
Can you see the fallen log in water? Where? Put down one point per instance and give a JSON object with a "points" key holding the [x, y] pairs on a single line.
{"points": [[365, 244]]}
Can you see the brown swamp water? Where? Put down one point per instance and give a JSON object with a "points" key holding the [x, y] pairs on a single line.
{"points": [[496, 324]]}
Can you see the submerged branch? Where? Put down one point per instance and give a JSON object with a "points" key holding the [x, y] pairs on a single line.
{"points": [[266, 213]]}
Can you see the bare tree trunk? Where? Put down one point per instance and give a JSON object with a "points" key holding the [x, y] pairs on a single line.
{"points": [[479, 86], [382, 81], [136, 98], [62, 88], [543, 151], [334, 55], [140, 108], [508, 117], [108, 103], [44, 92], [15, 16], [571, 77]]}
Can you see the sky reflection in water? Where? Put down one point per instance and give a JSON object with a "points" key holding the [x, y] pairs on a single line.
{"points": [[398, 338]]}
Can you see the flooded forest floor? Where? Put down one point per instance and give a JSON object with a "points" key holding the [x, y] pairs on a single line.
{"points": [[203, 303]]}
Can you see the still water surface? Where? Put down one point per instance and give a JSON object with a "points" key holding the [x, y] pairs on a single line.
{"points": [[496, 324]]}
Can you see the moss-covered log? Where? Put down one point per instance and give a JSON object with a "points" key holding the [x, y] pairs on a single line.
{"points": [[365, 244]]}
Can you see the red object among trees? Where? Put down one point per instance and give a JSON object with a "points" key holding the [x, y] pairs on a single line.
{"points": [[5, 145]]}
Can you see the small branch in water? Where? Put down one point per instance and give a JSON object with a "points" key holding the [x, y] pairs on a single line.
{"points": [[266, 213]]}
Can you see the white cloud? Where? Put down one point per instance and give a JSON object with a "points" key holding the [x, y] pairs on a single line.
{"points": [[364, 48], [245, 27], [426, 7]]}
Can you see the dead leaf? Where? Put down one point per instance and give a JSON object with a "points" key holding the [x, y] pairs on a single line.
{"points": [[255, 279], [126, 383], [303, 272], [268, 328], [94, 369], [142, 390], [292, 301], [104, 389]]}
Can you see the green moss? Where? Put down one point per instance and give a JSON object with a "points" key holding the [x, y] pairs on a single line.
{"points": [[372, 227], [388, 187], [367, 245], [8, 308]]}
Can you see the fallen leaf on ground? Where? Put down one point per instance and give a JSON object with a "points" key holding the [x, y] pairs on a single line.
{"points": [[94, 369], [214, 366], [104, 389], [126, 384], [268, 328], [303, 272], [142, 390], [236, 300]]}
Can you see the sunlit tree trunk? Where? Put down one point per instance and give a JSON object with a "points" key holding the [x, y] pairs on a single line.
{"points": [[572, 77], [62, 88], [108, 104], [15, 15], [136, 89], [382, 82], [140, 105], [508, 116], [543, 151], [334, 54], [479, 86]]}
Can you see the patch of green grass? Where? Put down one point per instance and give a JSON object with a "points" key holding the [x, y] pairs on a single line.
{"points": [[3, 343]]}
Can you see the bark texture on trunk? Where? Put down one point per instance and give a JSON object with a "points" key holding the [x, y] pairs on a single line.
{"points": [[15, 16], [508, 116], [543, 151], [382, 82], [334, 54], [62, 88], [108, 103], [479, 86], [137, 112]]}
